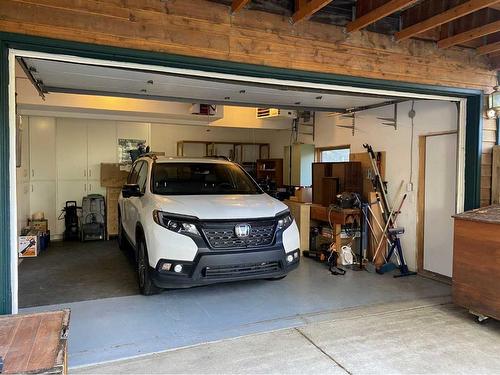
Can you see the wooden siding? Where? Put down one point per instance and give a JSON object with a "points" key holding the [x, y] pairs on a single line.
{"points": [[206, 29]]}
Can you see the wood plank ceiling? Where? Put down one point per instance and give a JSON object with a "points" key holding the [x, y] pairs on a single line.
{"points": [[465, 23]]}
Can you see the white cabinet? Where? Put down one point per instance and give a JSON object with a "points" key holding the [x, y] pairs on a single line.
{"points": [[71, 149], [42, 197], [42, 143], [101, 147]]}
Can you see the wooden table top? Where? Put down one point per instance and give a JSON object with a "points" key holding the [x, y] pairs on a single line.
{"points": [[33, 343], [489, 214]]}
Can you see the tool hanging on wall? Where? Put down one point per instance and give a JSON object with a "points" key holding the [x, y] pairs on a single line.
{"points": [[390, 215]]}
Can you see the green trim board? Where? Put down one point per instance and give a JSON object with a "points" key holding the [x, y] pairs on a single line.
{"points": [[38, 44], [5, 252]]}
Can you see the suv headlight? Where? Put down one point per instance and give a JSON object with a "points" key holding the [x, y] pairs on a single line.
{"points": [[175, 224], [285, 219]]}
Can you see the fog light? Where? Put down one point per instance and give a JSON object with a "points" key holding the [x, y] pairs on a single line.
{"points": [[166, 266], [289, 258], [296, 254], [178, 268]]}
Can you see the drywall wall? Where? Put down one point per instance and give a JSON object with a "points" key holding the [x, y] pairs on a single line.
{"points": [[431, 116], [164, 137]]}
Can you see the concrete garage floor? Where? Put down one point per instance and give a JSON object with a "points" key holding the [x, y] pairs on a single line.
{"points": [[419, 337], [76, 271], [108, 329]]}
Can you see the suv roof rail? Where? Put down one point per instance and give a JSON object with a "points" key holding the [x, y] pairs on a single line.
{"points": [[151, 155], [218, 157]]}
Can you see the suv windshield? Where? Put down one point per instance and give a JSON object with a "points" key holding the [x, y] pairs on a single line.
{"points": [[201, 178]]}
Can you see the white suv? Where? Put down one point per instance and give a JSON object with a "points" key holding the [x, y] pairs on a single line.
{"points": [[202, 221]]}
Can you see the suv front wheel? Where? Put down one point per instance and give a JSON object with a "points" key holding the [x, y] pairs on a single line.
{"points": [[146, 285]]}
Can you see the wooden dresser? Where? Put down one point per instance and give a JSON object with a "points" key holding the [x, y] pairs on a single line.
{"points": [[476, 261]]}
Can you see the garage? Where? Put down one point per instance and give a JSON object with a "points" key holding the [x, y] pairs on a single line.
{"points": [[370, 173]]}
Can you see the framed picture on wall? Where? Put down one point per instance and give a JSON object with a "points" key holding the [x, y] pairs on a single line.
{"points": [[125, 145]]}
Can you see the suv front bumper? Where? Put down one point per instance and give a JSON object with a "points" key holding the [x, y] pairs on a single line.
{"points": [[211, 267]]}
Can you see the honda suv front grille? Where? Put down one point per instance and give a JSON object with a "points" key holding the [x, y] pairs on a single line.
{"points": [[241, 270], [222, 235]]}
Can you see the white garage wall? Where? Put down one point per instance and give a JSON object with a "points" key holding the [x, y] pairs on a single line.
{"points": [[431, 116], [164, 137]]}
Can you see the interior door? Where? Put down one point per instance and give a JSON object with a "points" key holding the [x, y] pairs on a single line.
{"points": [[71, 149], [440, 202]]}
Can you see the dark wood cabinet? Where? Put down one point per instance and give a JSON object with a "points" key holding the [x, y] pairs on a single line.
{"points": [[271, 169], [330, 179], [476, 261]]}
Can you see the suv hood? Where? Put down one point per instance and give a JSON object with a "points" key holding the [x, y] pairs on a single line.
{"points": [[222, 206]]}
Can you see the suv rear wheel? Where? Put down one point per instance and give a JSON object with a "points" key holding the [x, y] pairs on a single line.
{"points": [[146, 285]]}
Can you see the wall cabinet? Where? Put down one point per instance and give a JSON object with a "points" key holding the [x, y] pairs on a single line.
{"points": [[71, 149], [101, 148], [42, 135], [65, 159]]}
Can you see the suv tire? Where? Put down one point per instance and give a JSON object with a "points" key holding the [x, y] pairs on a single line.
{"points": [[146, 285]]}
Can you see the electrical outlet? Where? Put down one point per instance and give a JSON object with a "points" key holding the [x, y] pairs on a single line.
{"points": [[409, 187]]}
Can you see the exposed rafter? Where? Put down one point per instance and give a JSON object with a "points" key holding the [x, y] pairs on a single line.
{"points": [[376, 14], [444, 17], [238, 5], [468, 35], [488, 48], [306, 10]]}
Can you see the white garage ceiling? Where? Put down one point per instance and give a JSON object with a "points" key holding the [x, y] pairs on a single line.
{"points": [[68, 77]]}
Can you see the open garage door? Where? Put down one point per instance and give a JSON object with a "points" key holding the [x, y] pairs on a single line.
{"points": [[79, 114]]}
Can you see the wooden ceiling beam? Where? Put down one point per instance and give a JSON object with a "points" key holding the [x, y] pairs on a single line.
{"points": [[237, 5], [376, 14], [444, 17], [477, 32], [306, 10], [488, 48]]}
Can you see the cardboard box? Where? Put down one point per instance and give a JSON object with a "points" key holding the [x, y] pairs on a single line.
{"points": [[39, 225], [303, 195], [27, 246], [112, 195], [114, 175]]}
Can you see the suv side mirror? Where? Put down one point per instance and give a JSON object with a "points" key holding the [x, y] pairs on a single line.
{"points": [[131, 190]]}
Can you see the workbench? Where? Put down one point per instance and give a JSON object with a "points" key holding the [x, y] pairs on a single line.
{"points": [[336, 217], [476, 261], [34, 343]]}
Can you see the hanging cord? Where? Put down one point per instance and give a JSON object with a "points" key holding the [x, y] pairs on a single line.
{"points": [[411, 115]]}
